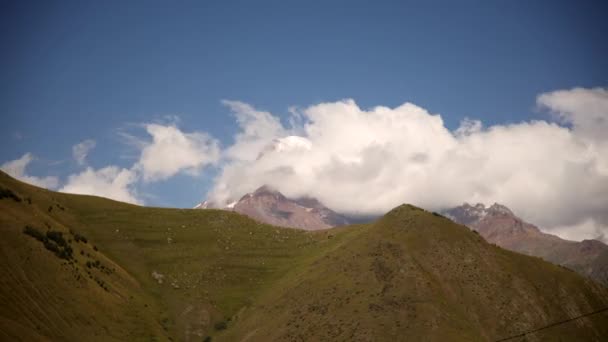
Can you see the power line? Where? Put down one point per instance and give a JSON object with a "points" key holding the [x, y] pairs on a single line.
{"points": [[552, 325]]}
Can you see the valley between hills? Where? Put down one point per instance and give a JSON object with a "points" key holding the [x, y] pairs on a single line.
{"points": [[79, 267]]}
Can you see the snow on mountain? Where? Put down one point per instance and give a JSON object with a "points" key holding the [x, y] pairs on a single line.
{"points": [[287, 144], [214, 205]]}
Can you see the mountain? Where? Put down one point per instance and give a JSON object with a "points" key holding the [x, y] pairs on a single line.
{"points": [[499, 225], [272, 207], [77, 266], [413, 275]]}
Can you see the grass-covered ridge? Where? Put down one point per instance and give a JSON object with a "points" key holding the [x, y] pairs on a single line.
{"points": [[193, 269], [139, 273]]}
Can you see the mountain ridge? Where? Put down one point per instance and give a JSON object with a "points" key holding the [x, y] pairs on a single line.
{"points": [[191, 275], [270, 206], [499, 225]]}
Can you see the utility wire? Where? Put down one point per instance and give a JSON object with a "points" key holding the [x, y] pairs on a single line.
{"points": [[552, 325]]}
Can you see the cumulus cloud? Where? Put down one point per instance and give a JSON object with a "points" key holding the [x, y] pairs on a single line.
{"points": [[584, 109], [111, 182], [357, 161], [172, 151], [169, 152], [257, 128], [16, 168], [553, 172], [81, 150]]}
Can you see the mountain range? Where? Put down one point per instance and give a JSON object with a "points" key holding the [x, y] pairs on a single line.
{"points": [[496, 223], [80, 267]]}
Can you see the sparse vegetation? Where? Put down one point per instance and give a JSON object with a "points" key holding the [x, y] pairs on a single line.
{"points": [[222, 325], [80, 238], [35, 233], [52, 240], [57, 237], [438, 214], [7, 193]]}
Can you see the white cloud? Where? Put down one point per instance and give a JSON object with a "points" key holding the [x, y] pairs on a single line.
{"points": [[81, 150], [111, 182], [587, 229], [468, 127], [584, 109], [172, 151], [16, 168], [368, 161], [257, 128]]}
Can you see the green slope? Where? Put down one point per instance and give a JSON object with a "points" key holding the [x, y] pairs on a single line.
{"points": [[417, 276], [212, 263], [171, 274], [45, 297]]}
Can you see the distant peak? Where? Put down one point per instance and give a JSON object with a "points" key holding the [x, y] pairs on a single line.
{"points": [[266, 204], [286, 144], [203, 205], [499, 208], [478, 206], [266, 189], [468, 214], [479, 210], [228, 205]]}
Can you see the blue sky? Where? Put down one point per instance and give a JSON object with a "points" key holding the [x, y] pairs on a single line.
{"points": [[89, 70]]}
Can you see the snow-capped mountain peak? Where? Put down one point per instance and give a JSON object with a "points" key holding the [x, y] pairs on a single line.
{"points": [[468, 214], [499, 209], [287, 144]]}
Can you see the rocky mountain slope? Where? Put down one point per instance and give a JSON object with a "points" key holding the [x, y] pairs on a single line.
{"points": [[272, 207], [499, 225], [110, 271]]}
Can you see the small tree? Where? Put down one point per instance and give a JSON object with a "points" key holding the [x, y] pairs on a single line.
{"points": [[221, 325]]}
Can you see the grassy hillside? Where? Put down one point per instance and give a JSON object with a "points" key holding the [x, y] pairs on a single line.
{"points": [[417, 276], [45, 295], [171, 274], [178, 273]]}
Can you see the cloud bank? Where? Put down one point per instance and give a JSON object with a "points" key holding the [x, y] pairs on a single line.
{"points": [[552, 173], [111, 182], [16, 168], [169, 152], [172, 151]]}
